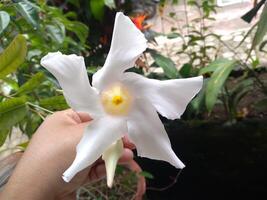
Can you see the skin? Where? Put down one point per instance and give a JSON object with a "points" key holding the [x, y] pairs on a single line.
{"points": [[50, 152]]}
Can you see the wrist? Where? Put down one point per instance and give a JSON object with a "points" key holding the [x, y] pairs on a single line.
{"points": [[29, 181]]}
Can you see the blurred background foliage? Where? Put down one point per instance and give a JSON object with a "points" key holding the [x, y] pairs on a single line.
{"points": [[31, 29]]}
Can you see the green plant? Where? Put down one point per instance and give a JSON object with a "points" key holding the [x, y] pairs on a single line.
{"points": [[197, 33], [218, 87], [29, 30]]}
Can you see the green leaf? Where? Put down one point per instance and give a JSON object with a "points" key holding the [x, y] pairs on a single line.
{"points": [[32, 83], [239, 91], [262, 27], [54, 103], [213, 66], [56, 31], [33, 121], [80, 29], [4, 20], [173, 35], [24, 145], [13, 56], [146, 174], [247, 35], [110, 4], [98, 8], [261, 105], [12, 111], [240, 95], [217, 80], [172, 14], [75, 2], [185, 71], [3, 135], [12, 83], [166, 64], [243, 84], [29, 12], [198, 103]]}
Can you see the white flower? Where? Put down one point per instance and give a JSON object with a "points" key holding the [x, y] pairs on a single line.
{"points": [[121, 102]]}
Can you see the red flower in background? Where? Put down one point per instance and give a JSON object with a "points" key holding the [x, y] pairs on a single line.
{"points": [[139, 21]]}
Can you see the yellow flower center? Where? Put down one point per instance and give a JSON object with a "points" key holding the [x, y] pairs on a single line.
{"points": [[116, 100]]}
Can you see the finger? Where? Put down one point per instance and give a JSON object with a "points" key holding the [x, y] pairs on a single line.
{"points": [[97, 172], [78, 117], [141, 187], [84, 117], [127, 143], [126, 157], [72, 115]]}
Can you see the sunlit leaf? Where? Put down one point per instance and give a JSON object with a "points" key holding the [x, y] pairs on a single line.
{"points": [[217, 80], [56, 31], [29, 12], [166, 64], [4, 20], [13, 56], [262, 27], [3, 136], [54, 103], [12, 83], [32, 83], [213, 66], [24, 145], [12, 111], [110, 4]]}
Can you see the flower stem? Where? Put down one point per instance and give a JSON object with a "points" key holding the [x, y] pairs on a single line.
{"points": [[39, 107]]}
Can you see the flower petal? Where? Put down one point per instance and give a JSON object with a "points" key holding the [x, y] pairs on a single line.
{"points": [[147, 132], [169, 97], [70, 71], [128, 43], [97, 137], [111, 156]]}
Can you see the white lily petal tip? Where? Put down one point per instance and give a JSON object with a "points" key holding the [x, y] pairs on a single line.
{"points": [[65, 178], [110, 183], [49, 56], [142, 37], [111, 157], [110, 175], [181, 165], [121, 15], [69, 173], [175, 161]]}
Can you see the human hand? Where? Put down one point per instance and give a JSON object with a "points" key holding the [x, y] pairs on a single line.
{"points": [[50, 151]]}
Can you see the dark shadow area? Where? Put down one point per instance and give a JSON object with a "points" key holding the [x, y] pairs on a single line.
{"points": [[222, 162]]}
